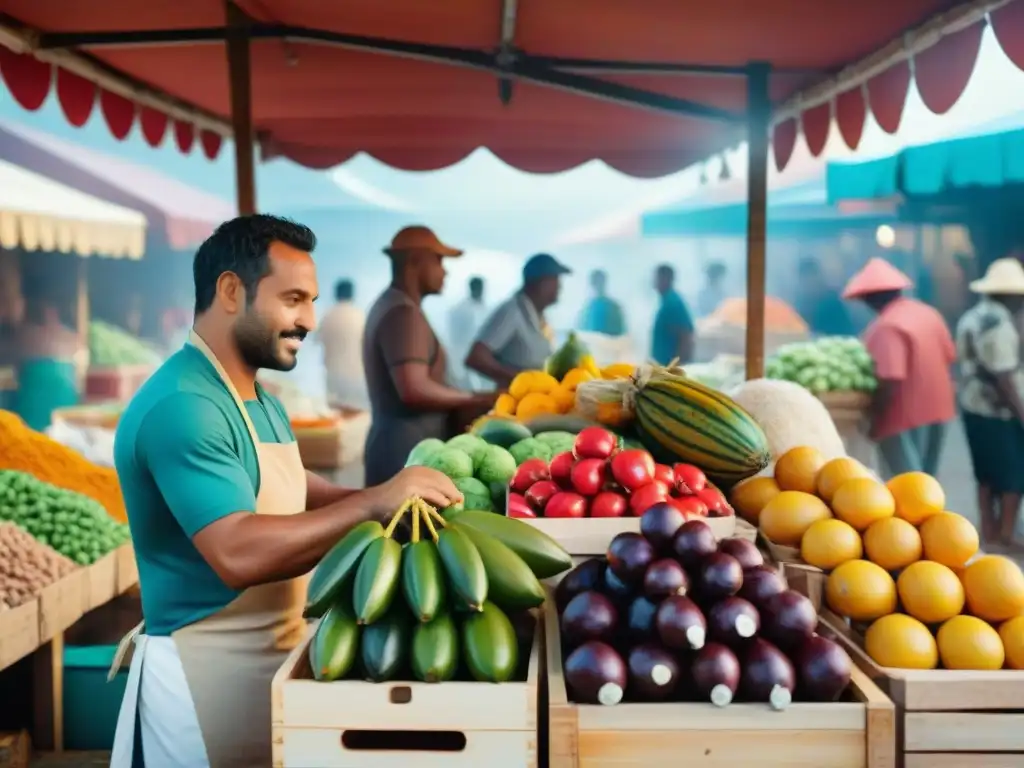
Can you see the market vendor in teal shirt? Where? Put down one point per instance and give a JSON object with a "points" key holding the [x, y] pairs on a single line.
{"points": [[225, 520], [672, 336]]}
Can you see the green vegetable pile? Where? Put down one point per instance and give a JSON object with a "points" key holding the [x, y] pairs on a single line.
{"points": [[110, 346], [74, 525], [830, 364]]}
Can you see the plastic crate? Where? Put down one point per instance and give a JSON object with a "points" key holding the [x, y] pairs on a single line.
{"points": [[91, 704]]}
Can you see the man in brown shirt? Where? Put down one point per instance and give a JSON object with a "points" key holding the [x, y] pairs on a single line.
{"points": [[406, 366]]}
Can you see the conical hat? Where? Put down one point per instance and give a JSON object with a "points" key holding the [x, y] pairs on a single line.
{"points": [[877, 276]]}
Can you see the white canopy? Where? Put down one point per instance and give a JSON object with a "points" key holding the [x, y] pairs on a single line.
{"points": [[39, 214]]}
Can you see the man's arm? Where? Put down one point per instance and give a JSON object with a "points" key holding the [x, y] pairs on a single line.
{"points": [[321, 492], [185, 445], [495, 335], [683, 327], [998, 351]]}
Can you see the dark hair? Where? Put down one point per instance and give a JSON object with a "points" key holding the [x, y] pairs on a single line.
{"points": [[241, 246], [344, 290], [715, 270], [666, 270], [476, 284]]}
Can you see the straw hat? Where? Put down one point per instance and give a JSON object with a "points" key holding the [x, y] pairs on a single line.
{"points": [[877, 276], [1005, 276], [419, 238]]}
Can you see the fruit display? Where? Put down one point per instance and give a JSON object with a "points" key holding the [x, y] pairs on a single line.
{"points": [[895, 559], [597, 478], [480, 470], [26, 566], [572, 354], [111, 346], [74, 525], [669, 614], [831, 364], [680, 420], [447, 601]]}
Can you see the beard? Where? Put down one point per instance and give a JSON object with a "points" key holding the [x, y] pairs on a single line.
{"points": [[260, 345]]}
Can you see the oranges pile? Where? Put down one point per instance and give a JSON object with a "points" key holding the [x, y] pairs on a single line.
{"points": [[895, 558]]}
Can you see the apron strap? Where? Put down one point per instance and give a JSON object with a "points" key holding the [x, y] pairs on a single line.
{"points": [[197, 341], [122, 650]]}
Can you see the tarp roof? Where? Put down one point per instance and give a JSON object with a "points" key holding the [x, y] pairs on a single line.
{"points": [[421, 85]]}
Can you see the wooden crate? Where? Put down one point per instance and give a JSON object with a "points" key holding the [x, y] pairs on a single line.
{"points": [[948, 718], [335, 446], [63, 603], [855, 733], [453, 724], [19, 632], [127, 568], [102, 581]]}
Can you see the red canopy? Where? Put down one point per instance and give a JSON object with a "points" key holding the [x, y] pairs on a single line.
{"points": [[322, 90]]}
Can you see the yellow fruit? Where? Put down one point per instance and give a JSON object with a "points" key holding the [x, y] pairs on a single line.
{"points": [[836, 472], [949, 539], [829, 543], [588, 364], [930, 592], [967, 642], [529, 382], [918, 496], [863, 501], [861, 591], [786, 517], [797, 469], [750, 497], [565, 399], [505, 405], [618, 371], [892, 543], [612, 414], [535, 404], [574, 378], [995, 588], [902, 642], [1012, 634]]}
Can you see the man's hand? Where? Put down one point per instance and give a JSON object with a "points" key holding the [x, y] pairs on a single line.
{"points": [[430, 485]]}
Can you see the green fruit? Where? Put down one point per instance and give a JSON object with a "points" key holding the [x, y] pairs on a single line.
{"points": [[555, 422], [334, 645], [570, 355], [435, 650], [385, 645], [544, 555], [475, 494], [530, 448], [496, 466], [471, 445], [463, 564], [337, 566], [501, 432], [489, 645], [377, 579], [423, 579], [451, 462], [422, 449], [510, 582]]}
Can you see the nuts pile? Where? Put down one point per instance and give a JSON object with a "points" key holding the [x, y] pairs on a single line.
{"points": [[26, 566]]}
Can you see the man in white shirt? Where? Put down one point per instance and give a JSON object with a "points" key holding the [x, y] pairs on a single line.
{"points": [[341, 336], [464, 320]]}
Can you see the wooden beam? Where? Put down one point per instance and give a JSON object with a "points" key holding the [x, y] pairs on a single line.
{"points": [[240, 80], [759, 111]]}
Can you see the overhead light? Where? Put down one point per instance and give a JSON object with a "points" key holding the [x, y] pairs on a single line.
{"points": [[885, 236]]}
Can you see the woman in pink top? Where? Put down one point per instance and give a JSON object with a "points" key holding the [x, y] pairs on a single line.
{"points": [[913, 354]]}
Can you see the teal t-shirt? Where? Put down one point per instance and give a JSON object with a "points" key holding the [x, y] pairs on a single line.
{"points": [[185, 459]]}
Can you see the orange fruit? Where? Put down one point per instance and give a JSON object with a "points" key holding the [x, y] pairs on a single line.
{"points": [[930, 592], [967, 642], [505, 405], [861, 591], [862, 501], [949, 539], [750, 497], [1012, 634], [836, 472], [574, 378], [797, 469], [918, 496], [786, 517], [829, 543], [565, 399], [535, 404], [892, 543], [902, 642], [995, 588]]}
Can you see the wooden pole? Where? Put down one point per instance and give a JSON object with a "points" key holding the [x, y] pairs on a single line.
{"points": [[758, 117], [240, 83]]}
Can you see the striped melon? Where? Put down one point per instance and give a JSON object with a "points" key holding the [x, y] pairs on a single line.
{"points": [[683, 420]]}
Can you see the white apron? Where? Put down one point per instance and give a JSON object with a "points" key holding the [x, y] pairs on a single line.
{"points": [[201, 698]]}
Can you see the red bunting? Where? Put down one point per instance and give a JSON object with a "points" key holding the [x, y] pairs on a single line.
{"points": [[783, 142]]}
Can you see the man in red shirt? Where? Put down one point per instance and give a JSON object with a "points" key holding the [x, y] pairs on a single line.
{"points": [[913, 353]]}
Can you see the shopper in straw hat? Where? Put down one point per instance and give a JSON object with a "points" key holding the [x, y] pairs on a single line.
{"points": [[988, 344], [913, 354]]}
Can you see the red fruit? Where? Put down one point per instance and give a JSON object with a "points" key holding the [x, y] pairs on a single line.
{"points": [[608, 504], [715, 501], [663, 474], [588, 476], [528, 473], [518, 506], [689, 479], [690, 506], [594, 443], [566, 504], [539, 494], [646, 497], [633, 468], [560, 469]]}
